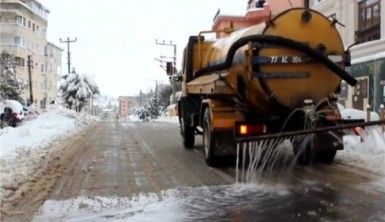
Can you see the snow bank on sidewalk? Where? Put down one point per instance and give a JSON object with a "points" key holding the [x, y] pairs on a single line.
{"points": [[24, 149], [367, 150], [57, 122], [161, 119], [167, 119]]}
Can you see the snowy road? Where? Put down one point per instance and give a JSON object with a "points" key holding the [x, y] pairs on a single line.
{"points": [[125, 171]]}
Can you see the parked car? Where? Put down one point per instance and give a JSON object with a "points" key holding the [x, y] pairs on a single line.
{"points": [[30, 112], [11, 113]]}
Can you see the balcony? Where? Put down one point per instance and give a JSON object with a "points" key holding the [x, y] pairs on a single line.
{"points": [[10, 27], [369, 34]]}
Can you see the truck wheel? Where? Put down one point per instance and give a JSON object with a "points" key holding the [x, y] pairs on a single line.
{"points": [[311, 149], [303, 150], [325, 156], [327, 145], [208, 140], [188, 135]]}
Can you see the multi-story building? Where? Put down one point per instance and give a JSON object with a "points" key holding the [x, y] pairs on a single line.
{"points": [[52, 71], [362, 28], [125, 105], [23, 34], [257, 11]]}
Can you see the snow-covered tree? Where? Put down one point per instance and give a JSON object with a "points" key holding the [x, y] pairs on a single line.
{"points": [[77, 89], [148, 105], [10, 86]]}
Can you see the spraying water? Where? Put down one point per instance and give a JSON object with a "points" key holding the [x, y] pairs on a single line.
{"points": [[262, 159], [271, 157]]}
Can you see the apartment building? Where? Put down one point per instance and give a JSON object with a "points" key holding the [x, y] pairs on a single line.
{"points": [[257, 11], [23, 34], [362, 28], [125, 105], [52, 71]]}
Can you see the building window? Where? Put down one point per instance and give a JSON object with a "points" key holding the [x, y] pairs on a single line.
{"points": [[29, 24], [19, 20], [369, 21], [33, 26], [19, 61], [19, 41]]}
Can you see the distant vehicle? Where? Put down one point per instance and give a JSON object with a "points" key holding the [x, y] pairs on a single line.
{"points": [[11, 113]]}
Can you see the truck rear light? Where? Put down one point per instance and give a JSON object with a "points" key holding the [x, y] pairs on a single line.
{"points": [[243, 129], [246, 129]]}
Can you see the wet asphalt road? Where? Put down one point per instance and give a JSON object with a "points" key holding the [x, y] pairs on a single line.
{"points": [[122, 159]]}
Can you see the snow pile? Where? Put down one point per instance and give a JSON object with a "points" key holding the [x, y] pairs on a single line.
{"points": [[24, 149], [367, 150], [55, 123], [358, 114], [13, 104]]}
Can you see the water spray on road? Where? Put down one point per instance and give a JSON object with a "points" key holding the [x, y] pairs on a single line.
{"points": [[263, 159]]}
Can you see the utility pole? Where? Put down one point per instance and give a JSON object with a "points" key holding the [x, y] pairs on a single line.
{"points": [[156, 93], [173, 72], [30, 66], [68, 41], [156, 102]]}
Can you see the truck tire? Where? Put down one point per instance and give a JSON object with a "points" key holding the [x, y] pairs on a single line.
{"points": [[209, 140], [325, 156], [306, 153], [188, 135], [303, 150]]}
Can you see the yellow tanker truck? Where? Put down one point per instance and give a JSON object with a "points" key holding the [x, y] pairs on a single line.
{"points": [[277, 77]]}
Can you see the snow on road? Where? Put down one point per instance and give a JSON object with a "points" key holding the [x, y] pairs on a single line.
{"points": [[167, 119], [181, 204]]}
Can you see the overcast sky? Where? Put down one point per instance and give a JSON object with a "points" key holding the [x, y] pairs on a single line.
{"points": [[116, 38]]}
